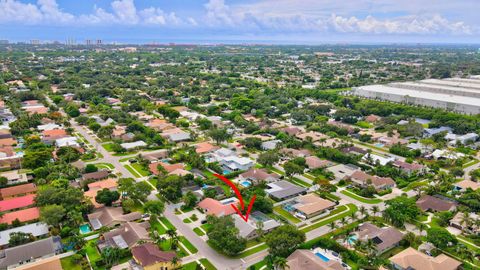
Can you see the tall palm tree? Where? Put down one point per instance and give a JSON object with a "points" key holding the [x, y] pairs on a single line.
{"points": [[353, 216], [375, 210], [175, 261], [332, 225], [363, 210], [343, 221]]}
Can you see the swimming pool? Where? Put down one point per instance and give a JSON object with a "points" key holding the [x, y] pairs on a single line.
{"points": [[226, 171], [323, 257], [288, 207], [85, 228], [352, 239], [380, 145], [246, 183]]}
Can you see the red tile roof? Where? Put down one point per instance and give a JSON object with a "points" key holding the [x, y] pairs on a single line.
{"points": [[153, 167], [17, 202], [22, 215], [216, 208], [17, 190], [149, 254]]}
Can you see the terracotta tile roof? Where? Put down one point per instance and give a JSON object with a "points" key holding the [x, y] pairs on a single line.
{"points": [[51, 263], [149, 254], [205, 147], [314, 162], [18, 190], [363, 178], [216, 208], [413, 259], [427, 202], [22, 215], [54, 134], [311, 203], [17, 202], [306, 260], [153, 167], [8, 141]]}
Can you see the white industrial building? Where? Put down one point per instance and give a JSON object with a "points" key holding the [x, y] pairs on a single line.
{"points": [[455, 94]]}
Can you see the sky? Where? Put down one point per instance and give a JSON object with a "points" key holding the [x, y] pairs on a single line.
{"points": [[247, 21]]}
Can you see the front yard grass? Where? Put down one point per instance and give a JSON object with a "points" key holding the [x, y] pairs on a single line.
{"points": [[188, 245], [68, 263], [360, 198], [331, 217], [140, 169], [207, 264], [198, 232], [132, 171], [284, 213]]}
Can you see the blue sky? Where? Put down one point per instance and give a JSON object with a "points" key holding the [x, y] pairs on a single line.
{"points": [[235, 21]]}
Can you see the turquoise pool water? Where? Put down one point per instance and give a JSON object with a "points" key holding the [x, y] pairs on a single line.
{"points": [[85, 228], [226, 171], [246, 183], [380, 145], [321, 256], [352, 239]]}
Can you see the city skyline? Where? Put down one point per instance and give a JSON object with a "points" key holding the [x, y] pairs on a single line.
{"points": [[252, 21]]}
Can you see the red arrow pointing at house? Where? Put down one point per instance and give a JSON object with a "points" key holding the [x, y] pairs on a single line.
{"points": [[239, 196]]}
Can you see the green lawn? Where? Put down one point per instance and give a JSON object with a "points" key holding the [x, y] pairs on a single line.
{"points": [[198, 232], [166, 246], [258, 265], [153, 181], [360, 198], [108, 147], [68, 263], [252, 251], [102, 165], [167, 223], [208, 265], [158, 227], [284, 213], [188, 245], [140, 169], [190, 266], [132, 171], [328, 219]]}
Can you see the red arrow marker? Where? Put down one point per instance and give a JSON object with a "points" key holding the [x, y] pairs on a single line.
{"points": [[239, 196]]}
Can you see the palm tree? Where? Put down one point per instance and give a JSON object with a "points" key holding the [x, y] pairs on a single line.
{"points": [[280, 263], [343, 221], [375, 210], [422, 227], [370, 247], [259, 229], [353, 216], [332, 225], [175, 261], [363, 210]]}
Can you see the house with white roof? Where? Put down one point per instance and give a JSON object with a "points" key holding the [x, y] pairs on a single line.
{"points": [[67, 141], [377, 158], [134, 145]]}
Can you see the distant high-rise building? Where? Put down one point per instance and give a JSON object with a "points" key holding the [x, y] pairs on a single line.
{"points": [[88, 42], [34, 42], [99, 42], [4, 41], [71, 41]]}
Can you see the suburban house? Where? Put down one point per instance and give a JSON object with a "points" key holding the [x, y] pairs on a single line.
{"points": [[236, 163], [17, 202], [95, 187], [36, 229], [175, 135], [342, 171], [149, 257], [429, 132], [205, 147], [283, 190], [14, 177], [292, 131], [362, 179], [50, 263], [28, 253], [295, 153], [354, 150], [133, 145], [169, 168], [374, 159], [155, 155], [409, 168], [50, 136], [314, 162], [270, 145], [463, 185], [384, 238], [461, 139], [411, 258], [67, 141], [302, 259], [314, 136], [311, 205], [111, 217], [98, 175], [436, 204], [24, 215], [466, 223], [248, 229], [257, 176], [19, 190], [125, 236], [218, 208]]}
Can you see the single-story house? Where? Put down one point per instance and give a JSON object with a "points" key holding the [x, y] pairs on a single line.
{"points": [[295, 152], [27, 253], [126, 236], [409, 168], [236, 163], [153, 167], [133, 145], [436, 204], [36, 229], [314, 162], [384, 238], [283, 190], [95, 187], [19, 190], [362, 179], [50, 263], [155, 155], [205, 147], [149, 257], [302, 259], [411, 258], [373, 158], [310, 205], [14, 177], [67, 141], [110, 217], [256, 176], [463, 185], [29, 214], [270, 145], [341, 171], [98, 175], [460, 222], [17, 202], [50, 136], [218, 208], [354, 150]]}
